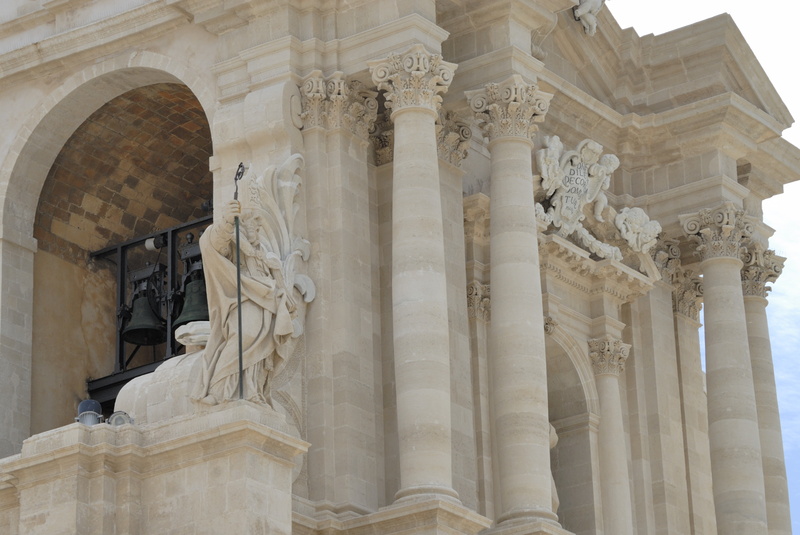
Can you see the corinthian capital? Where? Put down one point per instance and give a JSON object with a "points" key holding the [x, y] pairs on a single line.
{"points": [[414, 78], [479, 301], [452, 137], [510, 108], [719, 232], [761, 267], [608, 355], [335, 103], [687, 294]]}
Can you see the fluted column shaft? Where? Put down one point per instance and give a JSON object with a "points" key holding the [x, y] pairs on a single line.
{"points": [[738, 477], [413, 81], [763, 267], [608, 360], [517, 363]]}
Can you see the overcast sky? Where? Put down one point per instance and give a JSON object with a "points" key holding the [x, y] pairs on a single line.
{"points": [[770, 28]]}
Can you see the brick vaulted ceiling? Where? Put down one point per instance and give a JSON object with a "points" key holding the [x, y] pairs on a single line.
{"points": [[136, 165]]}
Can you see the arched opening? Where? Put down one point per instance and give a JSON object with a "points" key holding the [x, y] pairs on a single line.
{"points": [[136, 165], [573, 408]]}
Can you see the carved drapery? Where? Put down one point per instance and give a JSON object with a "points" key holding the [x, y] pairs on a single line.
{"points": [[414, 78], [761, 267], [479, 304], [510, 108], [719, 232], [334, 103], [452, 136], [608, 355]]}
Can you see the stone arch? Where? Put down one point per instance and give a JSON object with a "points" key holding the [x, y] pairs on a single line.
{"points": [[574, 409], [23, 172], [39, 141]]}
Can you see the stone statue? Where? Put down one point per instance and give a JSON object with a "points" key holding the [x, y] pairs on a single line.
{"points": [[549, 165], [637, 229], [599, 181], [587, 12], [274, 292]]}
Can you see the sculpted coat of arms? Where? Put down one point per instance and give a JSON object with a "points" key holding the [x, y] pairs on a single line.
{"points": [[573, 179]]}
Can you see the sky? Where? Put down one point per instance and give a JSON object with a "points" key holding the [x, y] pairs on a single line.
{"points": [[770, 28]]}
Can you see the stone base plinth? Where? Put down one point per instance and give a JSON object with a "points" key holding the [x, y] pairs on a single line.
{"points": [[420, 515], [527, 528], [227, 470]]}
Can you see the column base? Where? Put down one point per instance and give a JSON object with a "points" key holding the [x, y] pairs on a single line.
{"points": [[527, 527], [417, 515], [429, 491]]}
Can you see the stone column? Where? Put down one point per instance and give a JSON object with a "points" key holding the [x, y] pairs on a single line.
{"points": [[763, 267], [738, 477], [518, 368], [413, 81], [608, 356]]}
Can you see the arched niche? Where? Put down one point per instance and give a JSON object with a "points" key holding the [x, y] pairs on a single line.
{"points": [[573, 406], [136, 164]]}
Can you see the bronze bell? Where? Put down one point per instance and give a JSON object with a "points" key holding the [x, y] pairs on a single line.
{"points": [[195, 304], [144, 328]]}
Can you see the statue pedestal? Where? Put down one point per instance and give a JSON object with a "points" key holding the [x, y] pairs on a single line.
{"points": [[225, 470]]}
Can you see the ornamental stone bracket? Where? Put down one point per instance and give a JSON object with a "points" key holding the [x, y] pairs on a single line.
{"points": [[608, 355], [761, 267], [719, 232], [335, 103], [574, 180]]}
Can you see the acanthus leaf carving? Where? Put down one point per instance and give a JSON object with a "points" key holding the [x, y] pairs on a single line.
{"points": [[761, 267], [510, 108], [415, 78], [452, 136], [608, 355], [479, 301], [334, 103], [718, 232]]}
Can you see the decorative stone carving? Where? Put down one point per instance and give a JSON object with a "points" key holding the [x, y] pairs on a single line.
{"points": [[586, 13], [334, 103], [549, 325], [637, 229], [382, 139], [761, 267], [479, 301], [510, 108], [608, 355], [452, 136], [274, 288], [718, 231], [476, 218], [687, 294], [414, 78], [667, 258]]}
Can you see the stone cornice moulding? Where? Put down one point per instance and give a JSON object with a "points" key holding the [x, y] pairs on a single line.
{"points": [[58, 52], [572, 266]]}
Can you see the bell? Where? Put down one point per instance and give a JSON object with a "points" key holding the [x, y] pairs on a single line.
{"points": [[195, 305], [143, 328]]}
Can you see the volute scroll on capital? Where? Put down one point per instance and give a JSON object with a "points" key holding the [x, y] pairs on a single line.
{"points": [[719, 232], [761, 267], [608, 355], [509, 108], [479, 304], [335, 103], [414, 78]]}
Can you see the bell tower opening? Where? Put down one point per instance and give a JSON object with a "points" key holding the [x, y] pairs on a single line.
{"points": [[138, 165]]}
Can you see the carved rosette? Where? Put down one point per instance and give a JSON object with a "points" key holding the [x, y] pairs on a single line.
{"points": [[510, 108], [761, 267], [608, 355], [719, 232], [687, 294], [334, 103], [414, 78], [479, 301], [452, 137]]}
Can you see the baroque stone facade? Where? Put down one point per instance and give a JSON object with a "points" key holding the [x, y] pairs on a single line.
{"points": [[398, 160]]}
